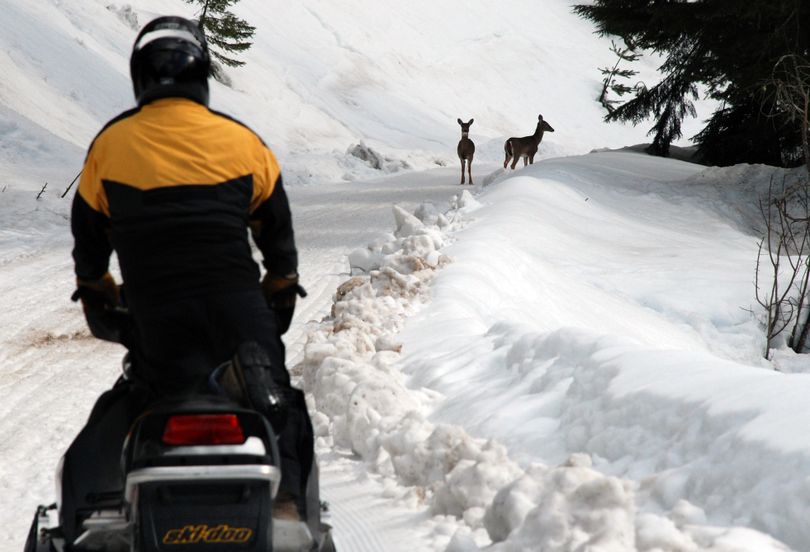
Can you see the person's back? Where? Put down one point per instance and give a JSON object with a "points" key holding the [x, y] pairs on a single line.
{"points": [[176, 181]]}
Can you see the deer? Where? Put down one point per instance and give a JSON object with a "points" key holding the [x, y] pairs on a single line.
{"points": [[465, 149], [525, 147]]}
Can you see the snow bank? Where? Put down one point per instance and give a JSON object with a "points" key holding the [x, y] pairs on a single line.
{"points": [[735, 192], [479, 495]]}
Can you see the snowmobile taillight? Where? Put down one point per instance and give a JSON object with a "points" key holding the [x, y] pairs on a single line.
{"points": [[203, 429]]}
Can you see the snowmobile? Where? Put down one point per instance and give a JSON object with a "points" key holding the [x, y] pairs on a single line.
{"points": [[200, 471]]}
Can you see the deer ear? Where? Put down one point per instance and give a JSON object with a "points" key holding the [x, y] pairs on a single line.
{"points": [[459, 121], [471, 121], [539, 117]]}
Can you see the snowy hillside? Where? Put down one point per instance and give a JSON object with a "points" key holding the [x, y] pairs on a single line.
{"points": [[320, 77], [563, 358]]}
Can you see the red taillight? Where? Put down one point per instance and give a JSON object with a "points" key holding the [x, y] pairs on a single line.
{"points": [[203, 429]]}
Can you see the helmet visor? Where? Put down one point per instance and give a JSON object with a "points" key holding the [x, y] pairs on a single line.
{"points": [[157, 34]]}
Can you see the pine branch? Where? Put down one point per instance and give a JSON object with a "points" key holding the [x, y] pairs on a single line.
{"points": [[226, 33], [611, 74]]}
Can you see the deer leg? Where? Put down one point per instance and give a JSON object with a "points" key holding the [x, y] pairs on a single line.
{"points": [[531, 160], [525, 160], [515, 158], [507, 150], [469, 169], [462, 170]]}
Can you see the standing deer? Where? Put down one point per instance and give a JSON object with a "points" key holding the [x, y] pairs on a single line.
{"points": [[525, 147], [465, 149]]}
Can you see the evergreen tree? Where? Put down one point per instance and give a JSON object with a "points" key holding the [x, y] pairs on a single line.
{"points": [[226, 33], [729, 47]]}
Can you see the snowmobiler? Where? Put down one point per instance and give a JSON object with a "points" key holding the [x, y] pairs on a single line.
{"points": [[174, 188]]}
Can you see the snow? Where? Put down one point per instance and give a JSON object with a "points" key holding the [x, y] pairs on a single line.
{"points": [[564, 357], [546, 374]]}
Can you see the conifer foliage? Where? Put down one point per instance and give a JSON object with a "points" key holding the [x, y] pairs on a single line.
{"points": [[226, 34], [611, 82], [727, 47]]}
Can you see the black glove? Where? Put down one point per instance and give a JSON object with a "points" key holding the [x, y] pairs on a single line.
{"points": [[106, 316], [246, 380], [281, 292]]}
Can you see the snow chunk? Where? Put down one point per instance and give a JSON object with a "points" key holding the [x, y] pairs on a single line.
{"points": [[375, 159], [576, 508], [407, 224], [465, 202]]}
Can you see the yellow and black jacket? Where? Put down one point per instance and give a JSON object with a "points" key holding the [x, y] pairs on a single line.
{"points": [[172, 187]]}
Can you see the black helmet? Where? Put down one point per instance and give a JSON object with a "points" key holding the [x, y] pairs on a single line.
{"points": [[170, 58]]}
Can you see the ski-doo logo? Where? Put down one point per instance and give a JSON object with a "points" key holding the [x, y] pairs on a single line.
{"points": [[193, 534]]}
